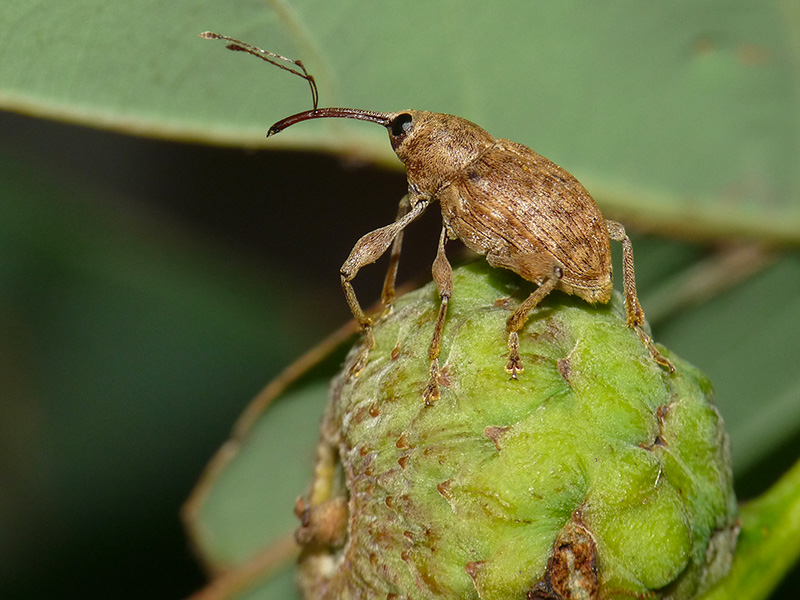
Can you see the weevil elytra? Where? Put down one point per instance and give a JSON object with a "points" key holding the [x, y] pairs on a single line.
{"points": [[502, 200]]}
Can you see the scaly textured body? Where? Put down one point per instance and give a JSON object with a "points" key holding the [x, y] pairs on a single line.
{"points": [[516, 207]]}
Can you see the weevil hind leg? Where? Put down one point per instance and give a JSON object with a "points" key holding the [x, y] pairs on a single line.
{"points": [[443, 277], [634, 314], [366, 251]]}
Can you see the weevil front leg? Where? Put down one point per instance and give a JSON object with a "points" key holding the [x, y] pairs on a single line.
{"points": [[366, 251], [443, 277], [634, 315]]}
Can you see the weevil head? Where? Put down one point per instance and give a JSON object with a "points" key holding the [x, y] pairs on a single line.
{"points": [[434, 147]]}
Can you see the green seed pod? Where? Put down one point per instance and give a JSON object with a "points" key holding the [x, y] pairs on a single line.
{"points": [[595, 475]]}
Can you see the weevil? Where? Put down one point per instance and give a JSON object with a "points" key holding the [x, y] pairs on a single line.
{"points": [[502, 200]]}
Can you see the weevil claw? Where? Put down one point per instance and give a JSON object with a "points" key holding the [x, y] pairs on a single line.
{"points": [[432, 393], [514, 364], [360, 360], [358, 364], [654, 353]]}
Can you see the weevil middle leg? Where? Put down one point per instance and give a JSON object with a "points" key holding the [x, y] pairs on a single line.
{"points": [[443, 277], [538, 267]]}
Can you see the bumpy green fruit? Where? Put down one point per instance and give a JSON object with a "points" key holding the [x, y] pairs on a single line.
{"points": [[596, 474]]}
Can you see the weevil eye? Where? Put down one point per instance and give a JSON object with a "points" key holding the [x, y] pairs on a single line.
{"points": [[401, 125]]}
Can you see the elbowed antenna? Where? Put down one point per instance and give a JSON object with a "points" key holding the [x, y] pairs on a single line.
{"points": [[266, 55], [300, 71], [324, 113]]}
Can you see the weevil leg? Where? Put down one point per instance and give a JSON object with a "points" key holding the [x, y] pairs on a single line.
{"points": [[634, 315], [518, 318], [443, 277], [388, 293], [366, 251]]}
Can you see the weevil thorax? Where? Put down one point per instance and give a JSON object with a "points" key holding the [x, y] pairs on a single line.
{"points": [[435, 147]]}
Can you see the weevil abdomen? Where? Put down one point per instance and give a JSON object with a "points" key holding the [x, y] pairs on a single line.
{"points": [[527, 214]]}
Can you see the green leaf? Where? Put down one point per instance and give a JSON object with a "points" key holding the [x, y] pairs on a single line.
{"points": [[769, 543], [679, 116], [246, 499]]}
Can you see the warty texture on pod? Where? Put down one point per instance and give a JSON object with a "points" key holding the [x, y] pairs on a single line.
{"points": [[596, 475]]}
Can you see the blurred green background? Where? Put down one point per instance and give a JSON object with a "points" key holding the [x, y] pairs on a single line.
{"points": [[160, 261]]}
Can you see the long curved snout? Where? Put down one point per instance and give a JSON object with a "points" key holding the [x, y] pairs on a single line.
{"points": [[325, 113]]}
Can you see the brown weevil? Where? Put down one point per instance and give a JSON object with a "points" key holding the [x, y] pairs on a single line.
{"points": [[502, 200]]}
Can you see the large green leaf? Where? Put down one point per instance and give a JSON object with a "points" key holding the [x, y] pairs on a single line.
{"points": [[682, 115], [769, 542]]}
